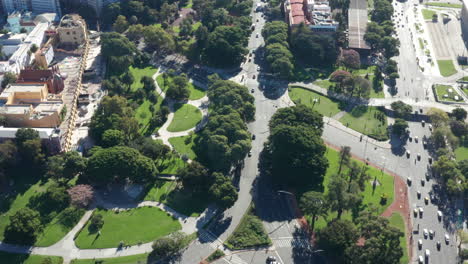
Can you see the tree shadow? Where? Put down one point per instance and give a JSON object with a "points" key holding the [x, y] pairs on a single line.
{"points": [[359, 111]]}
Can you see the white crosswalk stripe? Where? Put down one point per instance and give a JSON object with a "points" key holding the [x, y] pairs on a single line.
{"points": [[234, 259], [291, 242], [207, 237]]}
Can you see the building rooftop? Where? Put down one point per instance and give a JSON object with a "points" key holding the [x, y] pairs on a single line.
{"points": [[357, 21], [44, 133]]}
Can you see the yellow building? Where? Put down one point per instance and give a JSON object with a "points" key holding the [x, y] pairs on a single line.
{"points": [[30, 105], [72, 31]]}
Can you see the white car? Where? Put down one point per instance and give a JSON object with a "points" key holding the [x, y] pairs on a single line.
{"points": [[447, 239], [439, 215], [430, 127], [409, 180], [428, 253], [418, 194], [421, 211], [425, 233], [420, 260], [420, 244], [416, 139], [408, 153], [431, 233]]}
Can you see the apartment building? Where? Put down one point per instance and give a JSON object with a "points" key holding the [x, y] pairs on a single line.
{"points": [[316, 14]]}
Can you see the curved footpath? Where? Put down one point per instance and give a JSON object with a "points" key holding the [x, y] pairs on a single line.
{"points": [[201, 104]]}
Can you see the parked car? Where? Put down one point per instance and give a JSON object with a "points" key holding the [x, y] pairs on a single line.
{"points": [[408, 153], [421, 211], [418, 194], [431, 234], [447, 239], [427, 253], [426, 200], [423, 182], [439, 215], [438, 245], [420, 260], [409, 181], [420, 244], [425, 233]]}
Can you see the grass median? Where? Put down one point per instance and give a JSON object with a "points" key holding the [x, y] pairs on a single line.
{"points": [[446, 67], [318, 102], [384, 188], [249, 233], [396, 220], [367, 120]]}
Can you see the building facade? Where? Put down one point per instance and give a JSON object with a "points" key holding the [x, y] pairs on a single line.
{"points": [[30, 105], [72, 30], [10, 6]]}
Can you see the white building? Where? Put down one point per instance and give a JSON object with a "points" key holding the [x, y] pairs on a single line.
{"points": [[21, 57]]}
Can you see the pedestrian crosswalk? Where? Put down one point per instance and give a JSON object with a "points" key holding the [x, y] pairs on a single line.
{"points": [[205, 236], [291, 242], [234, 259]]}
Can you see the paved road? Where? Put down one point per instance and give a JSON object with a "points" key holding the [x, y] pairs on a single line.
{"points": [[415, 85]]}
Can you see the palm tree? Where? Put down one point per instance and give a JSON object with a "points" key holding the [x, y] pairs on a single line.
{"points": [[345, 156], [313, 204]]}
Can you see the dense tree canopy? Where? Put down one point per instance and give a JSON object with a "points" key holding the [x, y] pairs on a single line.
{"points": [[120, 163], [226, 46], [24, 226], [224, 141], [277, 48], [311, 48], [227, 93], [401, 109], [299, 115], [294, 148], [113, 113], [336, 237]]}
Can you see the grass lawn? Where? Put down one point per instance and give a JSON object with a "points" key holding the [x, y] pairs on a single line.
{"points": [[443, 5], [143, 113], [370, 197], [54, 230], [463, 79], [135, 259], [249, 233], [427, 14], [325, 105], [421, 43], [376, 92], [461, 153], [184, 145], [185, 117], [195, 92], [189, 4], [367, 120], [12, 258], [138, 73], [20, 201], [170, 165], [397, 221], [142, 224], [325, 84], [160, 190], [446, 67], [167, 192], [442, 91]]}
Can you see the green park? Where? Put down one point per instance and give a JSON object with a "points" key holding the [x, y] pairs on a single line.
{"points": [[131, 227]]}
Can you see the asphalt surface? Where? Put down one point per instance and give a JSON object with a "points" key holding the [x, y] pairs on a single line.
{"points": [[412, 83]]}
